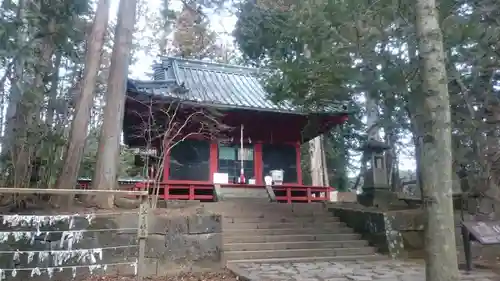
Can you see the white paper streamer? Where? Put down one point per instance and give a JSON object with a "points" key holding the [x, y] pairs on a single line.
{"points": [[135, 266], [30, 257], [58, 257], [16, 256], [68, 237], [50, 272], [92, 268], [40, 221], [61, 257], [36, 271]]}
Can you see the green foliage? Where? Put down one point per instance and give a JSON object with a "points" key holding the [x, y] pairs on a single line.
{"points": [[311, 66], [127, 166], [369, 48]]}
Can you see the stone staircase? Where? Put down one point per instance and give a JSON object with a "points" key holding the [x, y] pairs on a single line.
{"points": [[260, 231]]}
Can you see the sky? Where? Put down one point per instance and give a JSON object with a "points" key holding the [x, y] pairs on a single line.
{"points": [[222, 22]]}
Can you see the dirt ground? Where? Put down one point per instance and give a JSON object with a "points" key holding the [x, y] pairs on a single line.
{"points": [[202, 276]]}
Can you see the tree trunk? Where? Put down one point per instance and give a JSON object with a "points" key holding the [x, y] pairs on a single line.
{"points": [[324, 166], [109, 141], [28, 114], [16, 91], [316, 161], [413, 108], [54, 83], [441, 253], [79, 126], [51, 148], [316, 151], [372, 117]]}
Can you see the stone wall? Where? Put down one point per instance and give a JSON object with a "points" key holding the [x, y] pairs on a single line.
{"points": [[183, 243], [401, 233], [75, 264], [397, 233], [370, 223], [179, 240]]}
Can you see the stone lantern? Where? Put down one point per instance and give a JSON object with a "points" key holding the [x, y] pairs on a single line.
{"points": [[376, 189]]}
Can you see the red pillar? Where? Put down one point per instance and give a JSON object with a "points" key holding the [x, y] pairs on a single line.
{"points": [[166, 165], [298, 162], [257, 161], [213, 160], [166, 172]]}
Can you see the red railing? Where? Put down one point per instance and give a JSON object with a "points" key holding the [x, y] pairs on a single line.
{"points": [[300, 193], [191, 190], [173, 190], [123, 185]]}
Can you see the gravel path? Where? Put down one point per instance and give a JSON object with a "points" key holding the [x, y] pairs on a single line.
{"points": [[387, 270]]}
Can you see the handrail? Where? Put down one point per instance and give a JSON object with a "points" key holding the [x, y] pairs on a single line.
{"points": [[13, 190]]}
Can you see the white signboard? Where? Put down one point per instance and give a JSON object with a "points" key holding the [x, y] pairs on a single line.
{"points": [[221, 178]]}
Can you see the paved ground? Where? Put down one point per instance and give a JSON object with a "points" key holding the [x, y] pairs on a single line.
{"points": [[347, 271]]}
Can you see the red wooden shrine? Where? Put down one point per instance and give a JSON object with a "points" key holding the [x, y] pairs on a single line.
{"points": [[272, 133]]}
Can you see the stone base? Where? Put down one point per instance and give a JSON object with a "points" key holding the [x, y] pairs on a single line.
{"points": [[377, 197]]}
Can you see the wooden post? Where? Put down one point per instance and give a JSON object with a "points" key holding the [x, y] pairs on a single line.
{"points": [[142, 235], [218, 192], [289, 195], [270, 193]]}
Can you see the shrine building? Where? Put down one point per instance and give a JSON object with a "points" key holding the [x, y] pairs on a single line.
{"points": [[213, 124]]}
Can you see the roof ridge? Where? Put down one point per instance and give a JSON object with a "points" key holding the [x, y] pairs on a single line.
{"points": [[204, 64]]}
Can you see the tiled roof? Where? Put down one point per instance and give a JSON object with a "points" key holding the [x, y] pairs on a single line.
{"points": [[210, 83]]}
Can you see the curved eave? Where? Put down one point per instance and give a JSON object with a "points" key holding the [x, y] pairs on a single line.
{"points": [[221, 106]]}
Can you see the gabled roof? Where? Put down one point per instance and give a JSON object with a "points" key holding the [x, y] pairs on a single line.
{"points": [[215, 84]]}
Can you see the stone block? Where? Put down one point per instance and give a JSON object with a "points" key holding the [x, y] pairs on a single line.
{"points": [[155, 246], [178, 204], [177, 225], [200, 224], [204, 246], [407, 220], [367, 221], [381, 198], [193, 247], [158, 224], [128, 219], [151, 266], [347, 197]]}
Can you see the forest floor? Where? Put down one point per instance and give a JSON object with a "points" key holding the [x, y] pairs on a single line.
{"points": [[187, 276]]}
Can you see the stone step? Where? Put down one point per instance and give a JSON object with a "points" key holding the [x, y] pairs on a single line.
{"points": [[276, 225], [285, 231], [257, 193], [267, 210], [245, 206], [277, 219], [289, 238], [263, 203], [294, 245], [297, 253], [271, 214], [374, 257]]}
